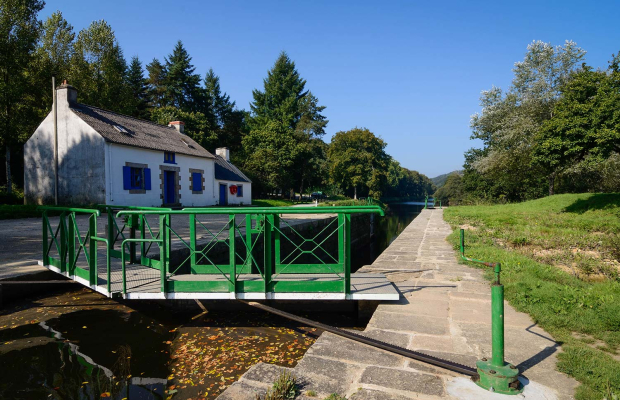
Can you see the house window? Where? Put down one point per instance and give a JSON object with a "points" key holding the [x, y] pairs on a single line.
{"points": [[239, 190], [169, 157], [136, 178]]}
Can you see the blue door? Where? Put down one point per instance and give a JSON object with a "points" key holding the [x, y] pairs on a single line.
{"points": [[169, 187], [223, 201]]}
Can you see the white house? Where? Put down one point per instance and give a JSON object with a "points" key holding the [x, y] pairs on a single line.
{"points": [[109, 158]]}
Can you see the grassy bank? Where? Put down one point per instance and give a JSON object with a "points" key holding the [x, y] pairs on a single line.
{"points": [[561, 262], [351, 202]]}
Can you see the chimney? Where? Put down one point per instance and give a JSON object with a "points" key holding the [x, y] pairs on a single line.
{"points": [[223, 152], [178, 125], [66, 95]]}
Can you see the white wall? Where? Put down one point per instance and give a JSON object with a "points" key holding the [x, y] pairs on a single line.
{"points": [[246, 199], [116, 157], [81, 174]]}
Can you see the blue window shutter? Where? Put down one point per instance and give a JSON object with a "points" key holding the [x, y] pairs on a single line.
{"points": [[127, 178], [147, 179], [196, 181]]}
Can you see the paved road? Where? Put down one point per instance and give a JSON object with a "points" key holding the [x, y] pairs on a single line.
{"points": [[21, 246], [445, 311]]}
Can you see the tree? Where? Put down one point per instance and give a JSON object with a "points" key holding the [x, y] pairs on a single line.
{"points": [[218, 104], [406, 184], [286, 122], [138, 89], [311, 150], [358, 160], [52, 58], [155, 84], [99, 69], [195, 122], [280, 99], [56, 48], [182, 85], [510, 120], [452, 192], [586, 122], [226, 123], [19, 31], [270, 155]]}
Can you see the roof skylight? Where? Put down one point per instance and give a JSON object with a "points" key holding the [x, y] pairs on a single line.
{"points": [[120, 129]]}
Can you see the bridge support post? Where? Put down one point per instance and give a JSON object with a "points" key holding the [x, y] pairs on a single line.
{"points": [[497, 375]]}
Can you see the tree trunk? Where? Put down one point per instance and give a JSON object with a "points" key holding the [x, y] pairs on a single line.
{"points": [[354, 192], [551, 183], [301, 190], [9, 184]]}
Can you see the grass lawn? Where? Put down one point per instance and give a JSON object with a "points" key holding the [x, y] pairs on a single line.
{"points": [[273, 203], [560, 258]]}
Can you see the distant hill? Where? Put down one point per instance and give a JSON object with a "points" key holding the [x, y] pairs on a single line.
{"points": [[440, 180]]}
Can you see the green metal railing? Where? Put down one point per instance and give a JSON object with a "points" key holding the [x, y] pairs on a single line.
{"points": [[131, 226], [283, 249], [237, 250], [495, 375], [63, 239]]}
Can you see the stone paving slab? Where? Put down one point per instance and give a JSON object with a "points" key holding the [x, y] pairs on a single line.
{"points": [[444, 310]]}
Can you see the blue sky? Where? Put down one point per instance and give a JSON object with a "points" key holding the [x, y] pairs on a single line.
{"points": [[410, 71]]}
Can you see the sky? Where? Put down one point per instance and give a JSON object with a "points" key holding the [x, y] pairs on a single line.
{"points": [[410, 71]]}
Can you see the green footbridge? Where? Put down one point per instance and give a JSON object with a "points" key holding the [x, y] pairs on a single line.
{"points": [[246, 253]]}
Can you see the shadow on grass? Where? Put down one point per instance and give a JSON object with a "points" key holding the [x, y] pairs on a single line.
{"points": [[597, 201], [540, 356]]}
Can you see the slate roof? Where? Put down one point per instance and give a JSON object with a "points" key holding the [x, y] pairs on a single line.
{"points": [[226, 171], [139, 133]]}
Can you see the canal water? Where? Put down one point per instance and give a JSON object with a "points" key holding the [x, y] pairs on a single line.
{"points": [[80, 345], [396, 219]]}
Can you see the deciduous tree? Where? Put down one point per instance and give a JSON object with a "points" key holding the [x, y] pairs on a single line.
{"points": [[99, 69], [19, 32], [586, 122], [358, 161], [510, 120]]}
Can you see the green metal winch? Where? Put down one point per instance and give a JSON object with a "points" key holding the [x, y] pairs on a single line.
{"points": [[495, 375]]}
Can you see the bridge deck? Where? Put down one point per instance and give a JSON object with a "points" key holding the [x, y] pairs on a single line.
{"points": [[145, 283]]}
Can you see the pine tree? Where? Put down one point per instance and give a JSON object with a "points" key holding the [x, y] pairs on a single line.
{"points": [[217, 103], [156, 90], [226, 123], [137, 86], [283, 91], [182, 84], [285, 123]]}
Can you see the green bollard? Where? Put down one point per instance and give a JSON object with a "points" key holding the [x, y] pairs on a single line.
{"points": [[497, 375], [426, 202]]}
